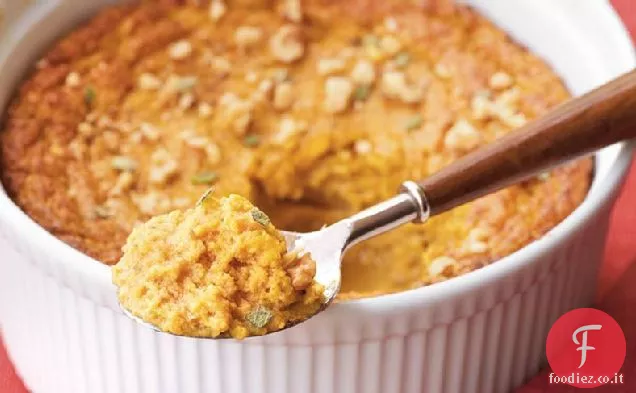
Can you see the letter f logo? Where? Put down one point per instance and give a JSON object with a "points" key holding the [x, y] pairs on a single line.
{"points": [[583, 344]]}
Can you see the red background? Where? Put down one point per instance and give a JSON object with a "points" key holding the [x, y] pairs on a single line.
{"points": [[616, 295]]}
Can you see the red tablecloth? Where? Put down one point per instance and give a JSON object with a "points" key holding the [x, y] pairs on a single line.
{"points": [[617, 294]]}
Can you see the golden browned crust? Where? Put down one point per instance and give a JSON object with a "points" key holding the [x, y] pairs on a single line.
{"points": [[140, 110]]}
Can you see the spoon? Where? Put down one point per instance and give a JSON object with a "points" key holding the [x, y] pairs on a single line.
{"points": [[579, 127]]}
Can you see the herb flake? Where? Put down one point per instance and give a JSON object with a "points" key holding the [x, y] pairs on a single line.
{"points": [[362, 93], [414, 123], [259, 317], [205, 196], [260, 217], [252, 140], [206, 177], [89, 95]]}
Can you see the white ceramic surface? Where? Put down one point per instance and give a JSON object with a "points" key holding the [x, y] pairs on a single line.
{"points": [[482, 332]]}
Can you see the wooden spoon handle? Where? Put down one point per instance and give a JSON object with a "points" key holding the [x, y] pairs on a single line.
{"points": [[583, 125]]}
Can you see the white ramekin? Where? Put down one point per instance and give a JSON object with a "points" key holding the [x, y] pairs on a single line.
{"points": [[482, 332]]}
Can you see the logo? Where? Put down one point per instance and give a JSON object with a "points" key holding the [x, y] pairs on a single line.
{"points": [[586, 349]]}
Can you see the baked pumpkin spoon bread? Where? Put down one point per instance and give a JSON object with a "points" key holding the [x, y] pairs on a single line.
{"points": [[217, 308], [218, 269]]}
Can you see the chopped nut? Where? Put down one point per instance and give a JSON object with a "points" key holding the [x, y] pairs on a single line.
{"points": [[85, 129], [213, 153], [149, 131], [104, 121], [462, 135], [475, 241], [123, 163], [148, 81], [217, 10], [124, 183], [394, 85], [186, 101], [302, 271], [164, 167], [287, 44], [152, 203], [288, 128], [236, 112], [362, 146], [211, 149], [371, 45], [391, 24], [509, 97], [111, 140], [292, 10], [500, 80], [515, 121], [480, 106], [390, 45], [193, 140], [338, 92], [363, 73], [442, 266], [180, 50], [204, 109], [265, 87], [442, 71], [221, 64], [330, 66], [181, 203], [281, 75], [251, 77], [73, 79], [402, 59], [176, 83], [247, 36], [283, 96]]}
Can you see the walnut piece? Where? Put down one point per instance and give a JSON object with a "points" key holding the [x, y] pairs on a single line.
{"points": [[329, 66], [395, 86], [180, 50], [283, 96], [247, 36], [217, 10], [363, 73], [442, 266], [292, 10], [287, 44], [462, 136], [338, 92]]}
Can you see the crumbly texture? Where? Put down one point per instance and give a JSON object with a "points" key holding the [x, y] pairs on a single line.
{"points": [[312, 109], [218, 269]]}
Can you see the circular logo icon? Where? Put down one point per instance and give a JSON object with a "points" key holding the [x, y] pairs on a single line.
{"points": [[586, 349]]}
